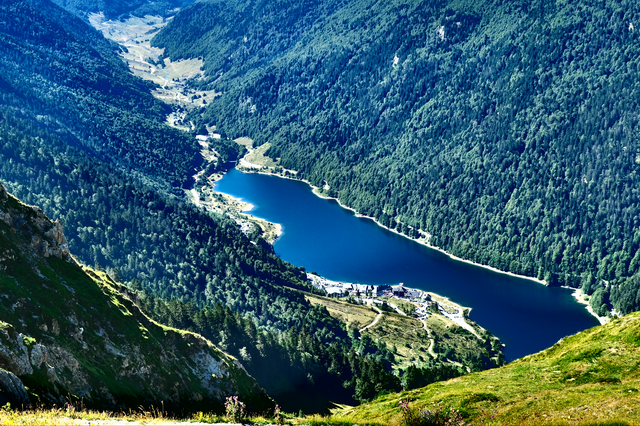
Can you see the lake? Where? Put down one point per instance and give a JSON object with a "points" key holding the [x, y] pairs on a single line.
{"points": [[330, 240]]}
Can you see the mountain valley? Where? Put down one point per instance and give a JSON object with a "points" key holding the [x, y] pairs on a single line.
{"points": [[502, 132]]}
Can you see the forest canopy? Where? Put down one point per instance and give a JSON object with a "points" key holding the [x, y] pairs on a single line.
{"points": [[506, 130]]}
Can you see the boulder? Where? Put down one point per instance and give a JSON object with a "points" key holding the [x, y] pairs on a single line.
{"points": [[12, 390]]}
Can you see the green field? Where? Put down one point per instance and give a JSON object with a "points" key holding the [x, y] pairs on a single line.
{"points": [[589, 378], [412, 343]]}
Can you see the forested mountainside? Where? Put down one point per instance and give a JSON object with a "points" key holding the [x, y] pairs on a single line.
{"points": [[302, 371], [69, 333], [66, 78], [116, 9], [108, 189], [506, 130], [299, 368], [235, 37], [172, 249], [296, 351]]}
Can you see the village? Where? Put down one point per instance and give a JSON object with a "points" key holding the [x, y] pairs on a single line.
{"points": [[380, 295]]}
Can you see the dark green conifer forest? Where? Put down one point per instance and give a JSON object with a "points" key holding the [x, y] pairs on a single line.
{"points": [[118, 9], [508, 130], [85, 140]]}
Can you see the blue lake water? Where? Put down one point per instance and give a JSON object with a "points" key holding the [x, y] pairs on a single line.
{"points": [[327, 239]]}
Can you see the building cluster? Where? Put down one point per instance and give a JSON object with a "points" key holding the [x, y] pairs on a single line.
{"points": [[204, 138], [368, 291], [348, 289], [409, 293]]}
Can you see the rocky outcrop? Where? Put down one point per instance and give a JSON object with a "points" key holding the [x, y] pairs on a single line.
{"points": [[38, 355], [182, 368], [12, 390], [14, 354], [68, 330], [14, 361], [54, 243], [47, 238]]}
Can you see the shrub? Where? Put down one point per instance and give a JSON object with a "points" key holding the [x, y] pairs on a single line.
{"points": [[436, 416], [236, 409], [277, 415]]}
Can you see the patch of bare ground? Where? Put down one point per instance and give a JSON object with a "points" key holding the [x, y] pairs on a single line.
{"points": [[134, 36]]}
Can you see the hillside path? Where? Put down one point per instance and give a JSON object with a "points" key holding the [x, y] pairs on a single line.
{"points": [[375, 321], [431, 339]]}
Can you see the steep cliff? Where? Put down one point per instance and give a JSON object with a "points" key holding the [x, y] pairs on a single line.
{"points": [[70, 333]]}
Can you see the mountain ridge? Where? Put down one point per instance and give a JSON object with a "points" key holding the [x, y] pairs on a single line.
{"points": [[70, 333]]}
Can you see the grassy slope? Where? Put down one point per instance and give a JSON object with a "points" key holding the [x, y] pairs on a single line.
{"points": [[407, 334], [48, 299], [591, 376]]}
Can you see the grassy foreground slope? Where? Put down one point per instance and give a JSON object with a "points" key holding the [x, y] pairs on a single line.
{"points": [[591, 376], [69, 333]]}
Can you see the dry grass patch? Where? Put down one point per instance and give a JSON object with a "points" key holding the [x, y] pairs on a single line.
{"points": [[356, 316], [408, 336], [245, 141], [259, 158]]}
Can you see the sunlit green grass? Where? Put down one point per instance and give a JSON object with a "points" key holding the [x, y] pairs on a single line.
{"points": [[592, 378]]}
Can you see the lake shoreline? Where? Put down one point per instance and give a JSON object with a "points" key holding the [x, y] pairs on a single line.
{"points": [[581, 299], [424, 240]]}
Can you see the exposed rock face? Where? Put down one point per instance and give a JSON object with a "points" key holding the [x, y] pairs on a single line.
{"points": [[47, 238], [14, 355], [12, 390], [65, 330], [38, 355], [214, 373]]}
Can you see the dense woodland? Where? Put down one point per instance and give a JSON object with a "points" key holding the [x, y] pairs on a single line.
{"points": [[301, 368], [119, 9], [84, 140], [61, 74], [508, 130], [297, 367], [296, 351]]}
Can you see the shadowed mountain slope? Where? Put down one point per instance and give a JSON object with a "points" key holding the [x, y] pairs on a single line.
{"points": [[69, 332]]}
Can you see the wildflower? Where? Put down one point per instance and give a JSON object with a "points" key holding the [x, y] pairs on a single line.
{"points": [[235, 408]]}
